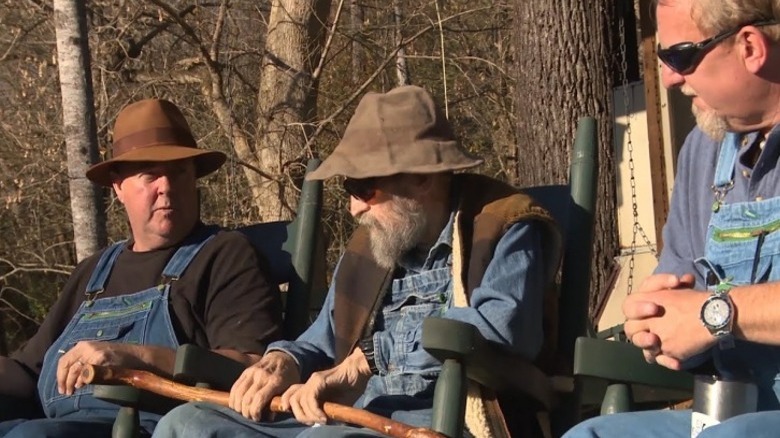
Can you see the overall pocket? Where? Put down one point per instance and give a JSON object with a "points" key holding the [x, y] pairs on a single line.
{"points": [[106, 334], [407, 331], [746, 255], [105, 322]]}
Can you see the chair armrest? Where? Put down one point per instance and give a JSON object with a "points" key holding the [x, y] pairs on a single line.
{"points": [[485, 362], [598, 362], [621, 361], [199, 366]]}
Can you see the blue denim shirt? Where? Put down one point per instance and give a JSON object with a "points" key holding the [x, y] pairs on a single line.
{"points": [[506, 308], [685, 232]]}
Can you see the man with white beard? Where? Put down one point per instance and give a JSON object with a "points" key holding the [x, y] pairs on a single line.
{"points": [[713, 298], [430, 243]]}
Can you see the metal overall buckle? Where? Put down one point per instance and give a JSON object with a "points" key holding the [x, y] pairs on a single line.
{"points": [[720, 194], [166, 280], [91, 297]]}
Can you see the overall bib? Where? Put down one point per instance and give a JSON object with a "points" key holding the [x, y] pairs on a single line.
{"points": [[743, 247], [139, 318], [403, 390]]}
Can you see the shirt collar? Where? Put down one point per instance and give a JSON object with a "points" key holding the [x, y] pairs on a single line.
{"points": [[413, 260]]}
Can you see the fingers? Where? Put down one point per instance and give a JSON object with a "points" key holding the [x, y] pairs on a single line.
{"points": [[285, 405], [658, 282], [668, 362], [252, 392], [688, 280], [239, 388], [69, 375], [647, 341], [259, 383], [304, 401], [250, 402], [256, 400], [651, 350], [291, 400], [635, 308]]}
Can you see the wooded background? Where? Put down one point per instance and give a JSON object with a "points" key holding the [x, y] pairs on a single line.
{"points": [[272, 83]]}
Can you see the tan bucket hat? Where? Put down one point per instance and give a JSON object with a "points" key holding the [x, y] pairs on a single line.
{"points": [[401, 131], [154, 130]]}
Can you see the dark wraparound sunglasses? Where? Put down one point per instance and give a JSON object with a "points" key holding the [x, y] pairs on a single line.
{"points": [[683, 57], [363, 189]]}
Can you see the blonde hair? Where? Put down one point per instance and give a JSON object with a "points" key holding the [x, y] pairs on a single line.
{"points": [[713, 16]]}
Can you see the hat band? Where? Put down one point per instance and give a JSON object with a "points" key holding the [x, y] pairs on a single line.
{"points": [[153, 137]]}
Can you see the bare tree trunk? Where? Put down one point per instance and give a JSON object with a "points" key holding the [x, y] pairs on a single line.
{"points": [[287, 104], [563, 62], [401, 69], [89, 224]]}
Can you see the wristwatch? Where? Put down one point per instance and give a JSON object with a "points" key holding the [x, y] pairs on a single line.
{"points": [[366, 345], [717, 315]]}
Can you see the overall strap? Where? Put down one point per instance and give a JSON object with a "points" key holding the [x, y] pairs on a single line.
{"points": [[184, 255], [97, 282], [724, 172]]}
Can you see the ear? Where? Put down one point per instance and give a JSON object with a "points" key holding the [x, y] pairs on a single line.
{"points": [[116, 183], [754, 48]]}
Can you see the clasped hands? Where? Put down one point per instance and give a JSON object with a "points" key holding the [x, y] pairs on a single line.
{"points": [[662, 318]]}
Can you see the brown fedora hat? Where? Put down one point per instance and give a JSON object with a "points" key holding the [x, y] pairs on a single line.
{"points": [[401, 131], [153, 130]]}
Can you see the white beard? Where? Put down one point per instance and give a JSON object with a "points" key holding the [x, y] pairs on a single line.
{"points": [[710, 123], [401, 231]]}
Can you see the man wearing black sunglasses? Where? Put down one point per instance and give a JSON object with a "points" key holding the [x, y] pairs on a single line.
{"points": [[430, 243], [711, 306]]}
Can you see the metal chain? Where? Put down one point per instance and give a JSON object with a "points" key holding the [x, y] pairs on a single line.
{"points": [[637, 227]]}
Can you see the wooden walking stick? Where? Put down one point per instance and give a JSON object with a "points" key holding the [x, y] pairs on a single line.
{"points": [[95, 374]]}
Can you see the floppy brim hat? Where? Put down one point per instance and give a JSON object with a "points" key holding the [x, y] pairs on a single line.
{"points": [[154, 130], [401, 131]]}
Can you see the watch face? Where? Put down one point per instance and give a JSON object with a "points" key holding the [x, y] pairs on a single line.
{"points": [[716, 312]]}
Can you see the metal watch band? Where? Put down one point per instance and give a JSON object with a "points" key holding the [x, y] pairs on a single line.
{"points": [[367, 347]]}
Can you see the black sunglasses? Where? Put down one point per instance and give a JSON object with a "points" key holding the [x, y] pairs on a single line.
{"points": [[363, 189], [683, 57]]}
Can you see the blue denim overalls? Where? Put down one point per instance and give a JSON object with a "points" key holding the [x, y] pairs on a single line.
{"points": [[743, 247], [406, 369], [138, 318]]}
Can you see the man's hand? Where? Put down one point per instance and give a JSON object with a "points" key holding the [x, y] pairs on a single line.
{"points": [[96, 353], [343, 384], [259, 383], [662, 318]]}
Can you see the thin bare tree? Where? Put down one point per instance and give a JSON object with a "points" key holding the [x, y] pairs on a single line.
{"points": [[401, 68], [287, 101], [89, 225]]}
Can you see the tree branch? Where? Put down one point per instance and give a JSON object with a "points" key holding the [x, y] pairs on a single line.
{"points": [[389, 58], [214, 51], [317, 71]]}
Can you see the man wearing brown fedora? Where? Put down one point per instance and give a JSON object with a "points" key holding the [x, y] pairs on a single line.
{"points": [[174, 281], [430, 243]]}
